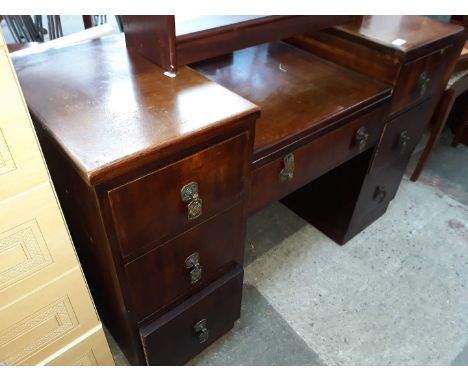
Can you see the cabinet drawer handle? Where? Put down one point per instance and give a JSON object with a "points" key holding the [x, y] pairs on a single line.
{"points": [[189, 194], [404, 139], [361, 138], [423, 82], [201, 330], [193, 263], [287, 173], [379, 194]]}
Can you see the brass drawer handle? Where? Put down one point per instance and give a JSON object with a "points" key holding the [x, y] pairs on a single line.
{"points": [[423, 82], [193, 263], [379, 194], [287, 173], [189, 193], [201, 331], [361, 138], [404, 139]]}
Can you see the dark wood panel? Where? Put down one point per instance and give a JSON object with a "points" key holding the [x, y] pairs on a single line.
{"points": [[372, 61], [298, 92], [160, 276], [409, 36], [170, 41], [401, 136], [223, 40], [172, 339], [113, 111], [314, 159], [151, 208], [153, 37], [328, 203], [419, 79], [83, 216]]}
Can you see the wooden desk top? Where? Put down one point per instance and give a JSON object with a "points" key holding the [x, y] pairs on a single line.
{"points": [[108, 108], [297, 92], [411, 35]]}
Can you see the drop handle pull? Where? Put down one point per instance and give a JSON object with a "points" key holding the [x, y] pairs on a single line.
{"points": [[404, 139], [379, 194], [287, 173], [362, 136], [189, 194], [201, 331], [423, 83], [193, 264]]}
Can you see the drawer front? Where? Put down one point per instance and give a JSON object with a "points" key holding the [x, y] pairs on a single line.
{"points": [[163, 203], [90, 350], [46, 320], [21, 163], [186, 262], [400, 137], [314, 159], [182, 333], [35, 246], [378, 191], [419, 79]]}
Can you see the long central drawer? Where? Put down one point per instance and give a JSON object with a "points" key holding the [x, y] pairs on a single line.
{"points": [[286, 174]]}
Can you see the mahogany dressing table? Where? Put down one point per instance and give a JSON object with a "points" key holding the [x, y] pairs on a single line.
{"points": [[157, 173]]}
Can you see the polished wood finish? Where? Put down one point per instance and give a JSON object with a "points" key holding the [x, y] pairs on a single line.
{"points": [[409, 37], [400, 137], [298, 93], [121, 154], [131, 122], [122, 138], [171, 42], [414, 54], [159, 277], [153, 37], [373, 62], [372, 180], [172, 340], [313, 159], [419, 79], [219, 172]]}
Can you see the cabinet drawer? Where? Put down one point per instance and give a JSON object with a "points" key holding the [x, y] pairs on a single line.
{"points": [[90, 350], [419, 79], [314, 159], [35, 246], [39, 325], [400, 137], [172, 270], [379, 190], [182, 333], [155, 206]]}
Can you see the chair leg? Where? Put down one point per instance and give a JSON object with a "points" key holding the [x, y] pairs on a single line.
{"points": [[459, 132], [446, 104]]}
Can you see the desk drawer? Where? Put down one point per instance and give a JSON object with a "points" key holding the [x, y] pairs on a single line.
{"points": [[161, 276], [154, 207], [419, 79], [182, 333], [400, 137], [270, 182]]}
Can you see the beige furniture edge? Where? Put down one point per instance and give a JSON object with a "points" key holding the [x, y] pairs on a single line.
{"points": [[47, 313]]}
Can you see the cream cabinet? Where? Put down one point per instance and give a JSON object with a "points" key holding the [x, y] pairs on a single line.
{"points": [[47, 314]]}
